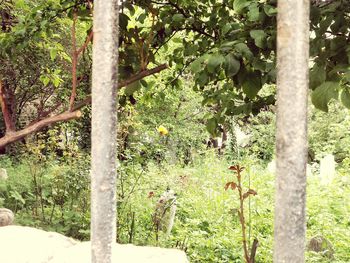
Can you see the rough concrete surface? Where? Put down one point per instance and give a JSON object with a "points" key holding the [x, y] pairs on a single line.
{"points": [[29, 245]]}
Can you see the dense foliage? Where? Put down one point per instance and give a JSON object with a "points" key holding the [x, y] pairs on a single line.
{"points": [[228, 47], [185, 67]]}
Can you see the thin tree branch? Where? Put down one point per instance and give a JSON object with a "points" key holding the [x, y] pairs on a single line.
{"points": [[124, 83], [17, 135], [5, 111], [87, 41], [44, 114]]}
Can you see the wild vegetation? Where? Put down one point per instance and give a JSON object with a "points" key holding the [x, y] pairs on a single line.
{"points": [[196, 97]]}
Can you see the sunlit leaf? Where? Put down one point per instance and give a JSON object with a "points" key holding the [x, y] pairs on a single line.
{"points": [[324, 93]]}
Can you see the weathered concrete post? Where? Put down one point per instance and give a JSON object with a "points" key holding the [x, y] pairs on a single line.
{"points": [[103, 134], [291, 136]]}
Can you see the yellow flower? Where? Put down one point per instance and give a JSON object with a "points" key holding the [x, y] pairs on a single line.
{"points": [[162, 130]]}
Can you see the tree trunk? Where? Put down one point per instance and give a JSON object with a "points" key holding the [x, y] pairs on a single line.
{"points": [[291, 136], [103, 133]]}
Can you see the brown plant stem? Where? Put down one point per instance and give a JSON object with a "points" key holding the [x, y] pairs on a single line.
{"points": [[253, 250], [241, 217], [5, 111]]}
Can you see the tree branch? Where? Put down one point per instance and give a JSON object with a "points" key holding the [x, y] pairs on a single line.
{"points": [[124, 83], [18, 135], [10, 127], [12, 136], [87, 41]]}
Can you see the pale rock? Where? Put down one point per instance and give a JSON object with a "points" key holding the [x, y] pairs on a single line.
{"points": [[271, 166], [321, 245], [6, 217], [327, 169], [122, 253], [241, 138], [29, 245], [3, 174], [165, 211]]}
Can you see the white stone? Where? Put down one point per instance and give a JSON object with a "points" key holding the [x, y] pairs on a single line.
{"points": [[29, 245], [271, 166], [327, 169], [3, 174], [308, 170], [241, 138], [164, 215]]}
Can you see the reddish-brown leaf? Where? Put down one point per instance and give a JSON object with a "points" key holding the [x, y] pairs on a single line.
{"points": [[233, 167], [227, 185], [252, 192], [236, 168], [249, 192], [233, 185], [150, 194]]}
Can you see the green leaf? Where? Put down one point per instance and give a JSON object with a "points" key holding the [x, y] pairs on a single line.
{"points": [[347, 76], [317, 76], [232, 65], [321, 96], [20, 4], [144, 83], [17, 196], [338, 43], [202, 79], [251, 84], [324, 24], [44, 79], [226, 28], [53, 54], [345, 97], [239, 5], [253, 14], [259, 64], [211, 126], [177, 18], [214, 61], [244, 50], [259, 37], [142, 17], [243, 109], [177, 40], [270, 10], [196, 65], [56, 81], [227, 46], [123, 20], [190, 50], [133, 87], [130, 7]]}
